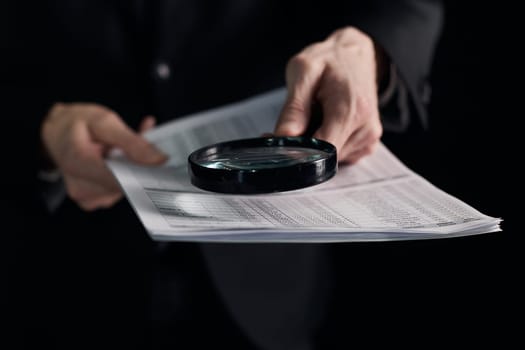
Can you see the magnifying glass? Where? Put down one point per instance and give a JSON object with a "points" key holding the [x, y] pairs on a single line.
{"points": [[263, 164]]}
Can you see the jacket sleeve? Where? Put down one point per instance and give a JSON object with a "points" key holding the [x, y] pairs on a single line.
{"points": [[408, 31]]}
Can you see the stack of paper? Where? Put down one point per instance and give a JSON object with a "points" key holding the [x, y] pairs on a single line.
{"points": [[377, 199]]}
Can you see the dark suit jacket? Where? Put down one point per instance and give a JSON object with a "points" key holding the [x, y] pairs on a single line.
{"points": [[109, 52]]}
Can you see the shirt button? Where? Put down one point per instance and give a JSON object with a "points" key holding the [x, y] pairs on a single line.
{"points": [[162, 71]]}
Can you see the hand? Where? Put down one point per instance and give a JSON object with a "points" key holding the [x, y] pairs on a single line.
{"points": [[77, 136], [340, 73]]}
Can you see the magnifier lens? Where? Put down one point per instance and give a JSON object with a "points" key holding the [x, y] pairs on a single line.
{"points": [[262, 165], [249, 158]]}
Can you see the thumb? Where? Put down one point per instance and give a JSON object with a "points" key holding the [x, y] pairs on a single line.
{"points": [[114, 132]]}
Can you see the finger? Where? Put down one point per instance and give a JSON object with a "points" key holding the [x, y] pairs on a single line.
{"points": [[302, 74], [364, 136], [147, 123], [83, 159], [294, 117], [338, 112], [112, 131], [100, 203], [84, 191], [357, 154]]}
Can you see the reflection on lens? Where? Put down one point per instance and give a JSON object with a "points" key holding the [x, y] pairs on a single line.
{"points": [[261, 158]]}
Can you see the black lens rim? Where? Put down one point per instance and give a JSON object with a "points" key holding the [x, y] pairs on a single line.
{"points": [[267, 180]]}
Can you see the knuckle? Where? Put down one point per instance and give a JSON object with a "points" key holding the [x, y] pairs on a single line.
{"points": [[371, 141], [301, 63], [338, 32], [368, 140], [109, 115], [353, 32], [368, 150], [345, 31], [377, 132], [293, 107], [103, 119], [314, 49]]}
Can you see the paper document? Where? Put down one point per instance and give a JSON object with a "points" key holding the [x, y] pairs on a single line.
{"points": [[378, 198]]}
